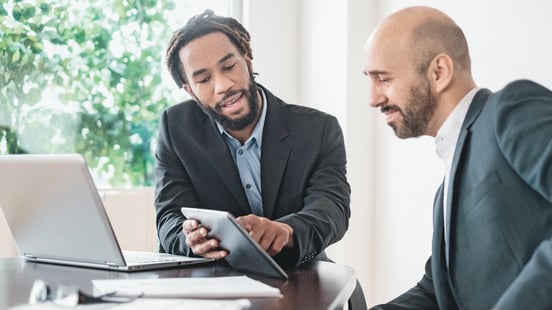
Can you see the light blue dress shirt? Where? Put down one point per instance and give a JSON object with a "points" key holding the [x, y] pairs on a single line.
{"points": [[248, 160]]}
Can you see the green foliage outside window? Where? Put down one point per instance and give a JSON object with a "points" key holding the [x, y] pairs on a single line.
{"points": [[85, 77]]}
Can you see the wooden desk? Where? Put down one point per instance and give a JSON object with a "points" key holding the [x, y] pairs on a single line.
{"points": [[317, 285]]}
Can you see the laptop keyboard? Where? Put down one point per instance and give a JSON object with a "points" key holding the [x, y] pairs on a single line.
{"points": [[145, 259]]}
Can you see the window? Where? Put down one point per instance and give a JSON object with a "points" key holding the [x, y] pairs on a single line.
{"points": [[88, 77]]}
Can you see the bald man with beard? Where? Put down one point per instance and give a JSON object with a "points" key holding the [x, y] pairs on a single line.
{"points": [[492, 220]]}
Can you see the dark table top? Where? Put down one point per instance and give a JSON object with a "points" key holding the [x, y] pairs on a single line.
{"points": [[316, 285]]}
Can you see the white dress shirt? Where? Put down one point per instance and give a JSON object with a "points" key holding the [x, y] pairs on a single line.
{"points": [[445, 142]]}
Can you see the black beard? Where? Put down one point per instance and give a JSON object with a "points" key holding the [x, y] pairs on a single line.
{"points": [[240, 123], [417, 114]]}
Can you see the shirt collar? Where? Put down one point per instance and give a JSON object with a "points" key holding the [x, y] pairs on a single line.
{"points": [[257, 134], [450, 130]]}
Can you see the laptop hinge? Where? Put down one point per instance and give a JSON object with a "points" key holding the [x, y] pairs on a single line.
{"points": [[110, 264], [29, 256]]}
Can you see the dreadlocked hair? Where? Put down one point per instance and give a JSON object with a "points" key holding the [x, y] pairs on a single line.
{"points": [[198, 26]]}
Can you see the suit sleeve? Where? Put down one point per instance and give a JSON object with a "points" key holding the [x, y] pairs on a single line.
{"points": [[324, 218], [173, 189], [421, 296], [524, 133]]}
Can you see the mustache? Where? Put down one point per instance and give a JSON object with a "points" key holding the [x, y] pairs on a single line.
{"points": [[390, 107], [228, 95]]}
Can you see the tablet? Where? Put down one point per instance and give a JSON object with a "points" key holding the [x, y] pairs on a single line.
{"points": [[244, 253]]}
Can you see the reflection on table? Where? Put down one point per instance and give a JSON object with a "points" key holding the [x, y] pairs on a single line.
{"points": [[317, 285]]}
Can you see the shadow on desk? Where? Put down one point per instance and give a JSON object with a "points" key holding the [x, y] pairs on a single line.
{"points": [[317, 285]]}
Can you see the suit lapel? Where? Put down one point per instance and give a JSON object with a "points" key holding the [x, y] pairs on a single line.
{"points": [[219, 157], [438, 237], [439, 270], [475, 108], [274, 153]]}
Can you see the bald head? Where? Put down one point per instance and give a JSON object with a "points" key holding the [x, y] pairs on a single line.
{"points": [[421, 33]]}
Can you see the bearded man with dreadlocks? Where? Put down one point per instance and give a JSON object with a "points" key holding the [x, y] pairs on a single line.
{"points": [[236, 147]]}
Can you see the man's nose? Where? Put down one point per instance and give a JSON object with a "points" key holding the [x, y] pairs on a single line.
{"points": [[376, 98], [223, 84]]}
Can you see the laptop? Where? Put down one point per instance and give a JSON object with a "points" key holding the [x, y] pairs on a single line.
{"points": [[55, 214]]}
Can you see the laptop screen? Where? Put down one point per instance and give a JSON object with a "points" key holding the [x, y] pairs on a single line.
{"points": [[54, 211]]}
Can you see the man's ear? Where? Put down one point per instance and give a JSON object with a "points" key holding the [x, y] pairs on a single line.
{"points": [[249, 62], [441, 70], [188, 89], [190, 92]]}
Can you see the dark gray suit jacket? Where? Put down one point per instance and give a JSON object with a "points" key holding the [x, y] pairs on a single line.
{"points": [[499, 209], [303, 175]]}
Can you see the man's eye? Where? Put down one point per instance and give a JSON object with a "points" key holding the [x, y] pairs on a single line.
{"points": [[204, 80], [228, 68]]}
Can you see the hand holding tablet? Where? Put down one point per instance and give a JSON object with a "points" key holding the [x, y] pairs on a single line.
{"points": [[199, 241], [244, 253]]}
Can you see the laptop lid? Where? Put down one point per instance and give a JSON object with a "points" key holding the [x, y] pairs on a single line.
{"points": [[56, 215]]}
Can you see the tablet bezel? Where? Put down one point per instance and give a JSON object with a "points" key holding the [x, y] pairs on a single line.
{"points": [[244, 253]]}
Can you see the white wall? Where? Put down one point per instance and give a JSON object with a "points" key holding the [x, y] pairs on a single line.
{"points": [[275, 42], [393, 181]]}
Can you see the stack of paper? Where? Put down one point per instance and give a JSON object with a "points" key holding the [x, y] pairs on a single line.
{"points": [[212, 287], [151, 304]]}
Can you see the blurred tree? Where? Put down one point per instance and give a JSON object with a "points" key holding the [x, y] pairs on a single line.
{"points": [[85, 77]]}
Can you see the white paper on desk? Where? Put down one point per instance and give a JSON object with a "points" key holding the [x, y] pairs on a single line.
{"points": [[152, 304], [210, 287]]}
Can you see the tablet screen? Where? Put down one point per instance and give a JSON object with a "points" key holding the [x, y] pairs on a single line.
{"points": [[244, 253]]}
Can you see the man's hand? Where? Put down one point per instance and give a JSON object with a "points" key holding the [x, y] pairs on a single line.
{"points": [[272, 236], [197, 241]]}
